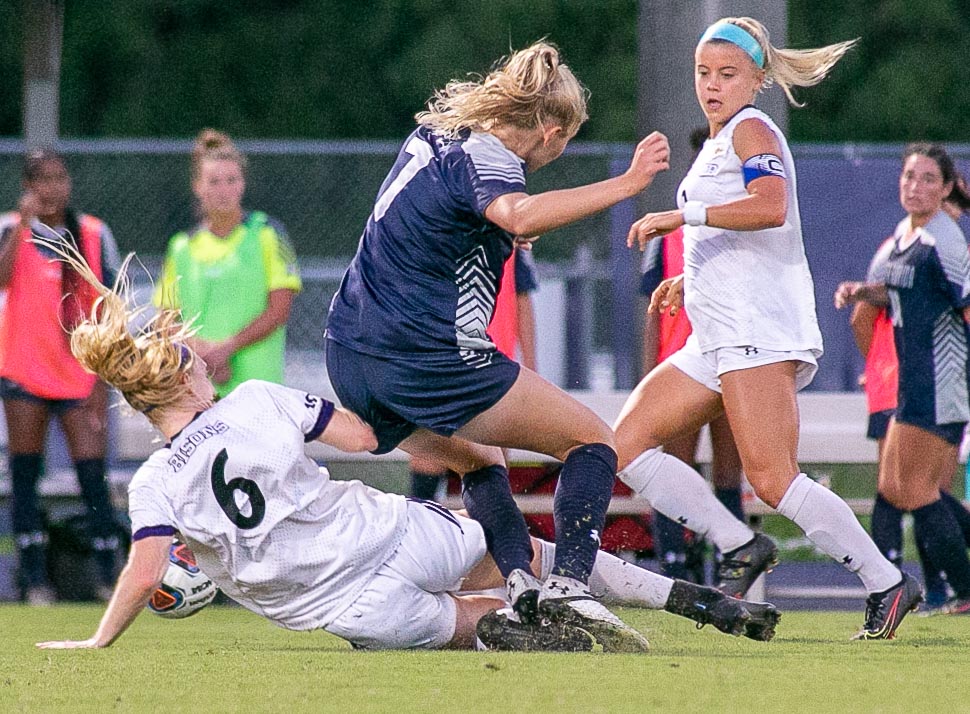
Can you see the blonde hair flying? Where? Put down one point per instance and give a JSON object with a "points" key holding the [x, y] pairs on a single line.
{"points": [[792, 68], [148, 367], [530, 88]]}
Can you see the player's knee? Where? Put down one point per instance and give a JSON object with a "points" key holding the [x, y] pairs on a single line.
{"points": [[770, 487]]}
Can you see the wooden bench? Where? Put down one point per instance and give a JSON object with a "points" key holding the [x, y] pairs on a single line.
{"points": [[833, 428]]}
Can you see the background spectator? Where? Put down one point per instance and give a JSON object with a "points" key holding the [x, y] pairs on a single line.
{"points": [[234, 273], [39, 376]]}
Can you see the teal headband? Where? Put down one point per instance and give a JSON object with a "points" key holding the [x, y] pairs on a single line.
{"points": [[729, 32]]}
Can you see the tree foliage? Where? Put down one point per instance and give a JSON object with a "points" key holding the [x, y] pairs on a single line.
{"points": [[331, 69], [312, 69], [903, 81]]}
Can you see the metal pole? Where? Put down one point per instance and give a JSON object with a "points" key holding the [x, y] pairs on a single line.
{"points": [[624, 266], [579, 318], [43, 33]]}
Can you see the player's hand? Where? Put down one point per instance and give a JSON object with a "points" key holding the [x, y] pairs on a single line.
{"points": [[90, 644], [651, 156], [653, 225], [28, 207], [217, 359], [669, 296], [847, 293]]}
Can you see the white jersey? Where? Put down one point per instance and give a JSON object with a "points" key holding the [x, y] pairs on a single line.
{"points": [[266, 524], [746, 287]]}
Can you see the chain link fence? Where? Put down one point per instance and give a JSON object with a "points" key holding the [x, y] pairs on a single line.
{"points": [[589, 315], [322, 191]]}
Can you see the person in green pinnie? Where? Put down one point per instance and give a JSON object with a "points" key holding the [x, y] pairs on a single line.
{"points": [[235, 273]]}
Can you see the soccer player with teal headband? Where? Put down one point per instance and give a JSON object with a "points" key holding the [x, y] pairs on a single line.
{"points": [[756, 341]]}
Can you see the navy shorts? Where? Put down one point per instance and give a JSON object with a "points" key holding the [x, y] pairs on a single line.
{"points": [[951, 432], [13, 390], [879, 424], [439, 392]]}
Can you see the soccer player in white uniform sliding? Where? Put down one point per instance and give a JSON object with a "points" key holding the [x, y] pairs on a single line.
{"points": [[749, 294], [278, 536]]}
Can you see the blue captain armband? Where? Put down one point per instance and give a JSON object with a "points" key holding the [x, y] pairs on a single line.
{"points": [[762, 165]]}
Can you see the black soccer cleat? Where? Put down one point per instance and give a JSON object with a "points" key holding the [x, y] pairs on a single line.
{"points": [[707, 606], [885, 610], [764, 619], [741, 567], [498, 632]]}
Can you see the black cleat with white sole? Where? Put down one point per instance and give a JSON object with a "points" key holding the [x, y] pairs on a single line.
{"points": [[502, 632]]}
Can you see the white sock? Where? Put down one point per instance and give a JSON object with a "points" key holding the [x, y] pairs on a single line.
{"points": [[618, 582], [832, 526], [676, 490]]}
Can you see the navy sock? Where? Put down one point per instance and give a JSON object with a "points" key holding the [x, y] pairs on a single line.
{"points": [[933, 579], [488, 498], [670, 545], [938, 532], [425, 485], [28, 519], [731, 498], [959, 512], [582, 497], [887, 530], [101, 523]]}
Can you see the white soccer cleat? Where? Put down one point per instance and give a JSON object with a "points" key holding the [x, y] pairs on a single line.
{"points": [[569, 601], [523, 591]]}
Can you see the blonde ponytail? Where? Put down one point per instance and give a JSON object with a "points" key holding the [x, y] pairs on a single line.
{"points": [[792, 68], [529, 89], [148, 368]]}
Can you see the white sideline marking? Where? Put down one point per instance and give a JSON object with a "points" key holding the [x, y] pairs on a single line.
{"points": [[813, 592]]}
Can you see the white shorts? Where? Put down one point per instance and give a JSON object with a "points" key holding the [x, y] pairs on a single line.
{"points": [[707, 367], [406, 604]]}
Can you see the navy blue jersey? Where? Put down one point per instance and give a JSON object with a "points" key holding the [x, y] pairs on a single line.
{"points": [[652, 266], [929, 285], [526, 274], [429, 263]]}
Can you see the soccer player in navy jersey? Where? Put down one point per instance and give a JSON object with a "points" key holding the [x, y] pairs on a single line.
{"points": [[407, 347], [925, 281]]}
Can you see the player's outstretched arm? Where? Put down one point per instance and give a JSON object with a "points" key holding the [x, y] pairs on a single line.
{"points": [[525, 215], [348, 432], [143, 573]]}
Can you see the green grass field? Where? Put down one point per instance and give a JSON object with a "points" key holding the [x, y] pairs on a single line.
{"points": [[227, 660]]}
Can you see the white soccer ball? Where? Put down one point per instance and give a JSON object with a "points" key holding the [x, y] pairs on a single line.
{"points": [[185, 589]]}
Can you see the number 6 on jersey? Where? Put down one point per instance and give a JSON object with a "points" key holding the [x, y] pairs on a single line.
{"points": [[225, 494]]}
